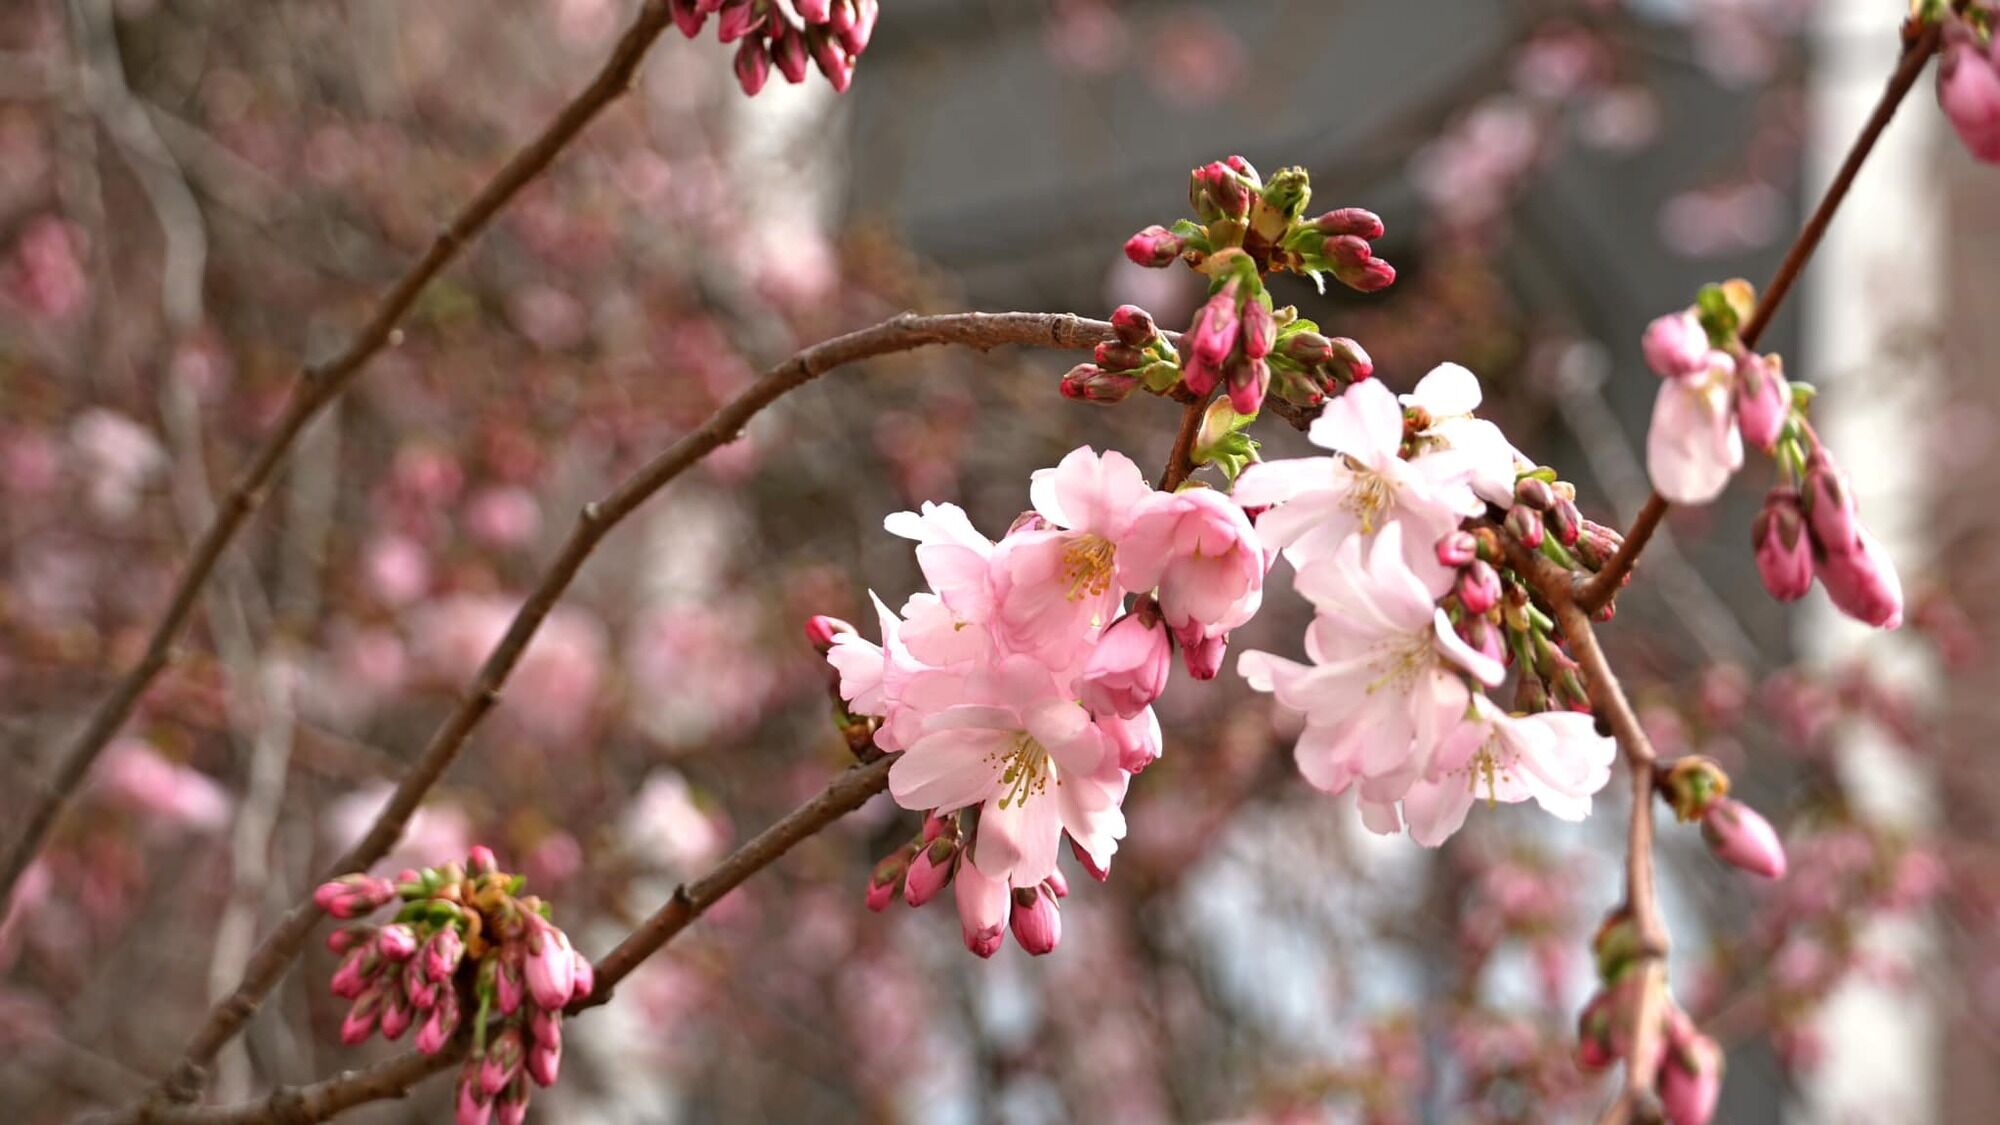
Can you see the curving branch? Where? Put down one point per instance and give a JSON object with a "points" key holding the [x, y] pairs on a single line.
{"points": [[1920, 42], [318, 384], [899, 334], [393, 1078]]}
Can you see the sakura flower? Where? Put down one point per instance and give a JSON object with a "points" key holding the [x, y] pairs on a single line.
{"points": [[1053, 585], [1555, 758], [1199, 549], [1694, 445], [134, 776], [1127, 669], [1021, 748], [1321, 501], [1386, 684], [956, 560], [1448, 396]]}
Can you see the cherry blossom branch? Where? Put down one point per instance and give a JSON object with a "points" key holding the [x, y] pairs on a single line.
{"points": [[1180, 462], [1920, 41], [318, 384], [395, 1077], [899, 334]]}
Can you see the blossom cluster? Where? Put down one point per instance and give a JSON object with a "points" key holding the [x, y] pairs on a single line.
{"points": [[1021, 684], [1412, 619], [830, 34], [462, 944], [1716, 395]]}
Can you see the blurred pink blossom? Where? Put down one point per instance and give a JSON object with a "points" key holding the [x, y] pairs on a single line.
{"points": [[664, 823], [46, 275], [398, 569], [435, 830], [555, 685], [133, 776], [117, 457], [503, 516]]}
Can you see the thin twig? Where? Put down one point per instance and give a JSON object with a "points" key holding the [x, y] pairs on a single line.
{"points": [[318, 384], [395, 1077], [1180, 462], [1919, 43], [899, 334]]}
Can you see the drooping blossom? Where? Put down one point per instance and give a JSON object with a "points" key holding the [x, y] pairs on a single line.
{"points": [[1387, 678], [1555, 758], [1053, 584], [1202, 554], [1694, 444], [1367, 487]]}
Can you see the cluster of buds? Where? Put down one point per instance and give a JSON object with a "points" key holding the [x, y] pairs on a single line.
{"points": [[464, 942], [1236, 209], [1689, 1064], [1968, 77], [1698, 790], [987, 908], [1139, 356], [1239, 340], [788, 34], [1810, 530]]}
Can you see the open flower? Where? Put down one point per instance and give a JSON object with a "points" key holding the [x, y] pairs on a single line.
{"points": [[1021, 748], [1556, 758], [1321, 501], [1054, 585], [1199, 549], [1387, 678], [1694, 446], [1448, 396]]}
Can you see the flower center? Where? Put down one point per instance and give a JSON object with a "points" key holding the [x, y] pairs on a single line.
{"points": [[1403, 661], [1088, 564], [1027, 773], [1369, 496]]}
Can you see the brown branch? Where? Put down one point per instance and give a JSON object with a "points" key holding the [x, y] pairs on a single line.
{"points": [[1919, 43], [395, 1077], [318, 384], [1180, 462], [902, 333]]}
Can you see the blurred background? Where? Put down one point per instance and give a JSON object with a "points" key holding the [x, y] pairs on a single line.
{"points": [[196, 195]]}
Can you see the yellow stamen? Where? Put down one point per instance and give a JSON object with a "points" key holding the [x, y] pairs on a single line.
{"points": [[1027, 773], [1088, 564]]}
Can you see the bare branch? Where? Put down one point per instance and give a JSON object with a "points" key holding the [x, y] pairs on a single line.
{"points": [[318, 384]]}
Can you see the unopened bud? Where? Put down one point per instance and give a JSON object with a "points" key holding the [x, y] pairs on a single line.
{"points": [[1087, 382], [363, 1014], [351, 896], [1155, 247], [886, 881], [930, 871], [1352, 221], [1783, 549], [1352, 358], [1133, 324], [1307, 348], [736, 19], [831, 55], [1478, 587], [1763, 401], [1741, 837], [1691, 1080], [1692, 784], [1565, 521], [1259, 330], [1248, 380], [1829, 503], [1525, 525], [1863, 583], [1116, 355], [687, 16], [1535, 492], [481, 861], [789, 52], [1457, 549], [1036, 921]]}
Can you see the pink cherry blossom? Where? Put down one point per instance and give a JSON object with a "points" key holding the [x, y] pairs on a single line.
{"points": [[1029, 755], [1863, 583], [1318, 502], [1053, 585], [1693, 446], [1450, 394], [1676, 346], [134, 776], [1201, 552], [1127, 669], [1387, 678], [983, 907], [1555, 758]]}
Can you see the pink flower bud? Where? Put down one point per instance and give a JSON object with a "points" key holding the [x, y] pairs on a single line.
{"points": [[1155, 247], [1596, 1044], [1863, 583], [512, 1106], [1249, 379], [1307, 348], [583, 978], [504, 1055], [474, 1107], [1349, 221], [1127, 670], [1133, 324], [1353, 358], [1481, 635], [930, 871], [1215, 335], [982, 910], [356, 969], [508, 988], [1056, 884], [687, 16], [1829, 503], [753, 66], [1089, 864], [1116, 355], [551, 964], [1784, 551], [1355, 264], [397, 1015], [1525, 525], [1218, 192], [1086, 382], [1968, 90], [859, 27], [1201, 652], [788, 51], [1535, 492], [362, 1014], [1676, 345], [440, 1024], [1478, 587], [821, 630], [351, 896], [443, 951], [545, 1053], [813, 11], [885, 883], [1457, 549], [1037, 922], [1691, 1080], [832, 59], [1763, 402], [736, 19], [396, 942], [481, 860], [1738, 835], [1260, 330], [347, 938]]}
